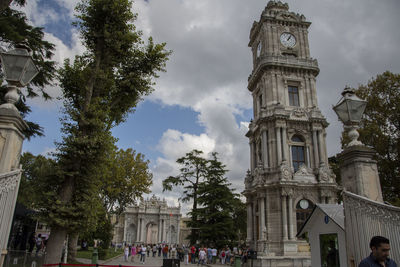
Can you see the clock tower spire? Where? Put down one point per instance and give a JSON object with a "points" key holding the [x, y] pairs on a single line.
{"points": [[289, 170]]}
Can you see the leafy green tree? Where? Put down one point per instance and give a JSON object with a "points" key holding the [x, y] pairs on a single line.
{"points": [[192, 173], [38, 181], [125, 178], [217, 203], [13, 30], [100, 88], [380, 128]]}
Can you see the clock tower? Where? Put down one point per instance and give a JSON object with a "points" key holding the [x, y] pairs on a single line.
{"points": [[289, 171]]}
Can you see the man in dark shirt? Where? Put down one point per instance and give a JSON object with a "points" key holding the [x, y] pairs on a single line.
{"points": [[379, 256]]}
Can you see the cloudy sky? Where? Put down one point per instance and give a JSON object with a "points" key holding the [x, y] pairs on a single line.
{"points": [[202, 100]]}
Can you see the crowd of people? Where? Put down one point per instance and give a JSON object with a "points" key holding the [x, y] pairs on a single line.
{"points": [[187, 254]]}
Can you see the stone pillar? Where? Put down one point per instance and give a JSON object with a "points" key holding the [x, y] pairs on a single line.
{"points": [[359, 172], [284, 144], [138, 230], [284, 218], [262, 217], [159, 230], [315, 146], [12, 127], [290, 214], [165, 237], [143, 232], [125, 228], [252, 157], [278, 145], [265, 148], [249, 222], [320, 150]]}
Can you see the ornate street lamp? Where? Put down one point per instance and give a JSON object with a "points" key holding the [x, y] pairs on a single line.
{"points": [[18, 69], [350, 109]]}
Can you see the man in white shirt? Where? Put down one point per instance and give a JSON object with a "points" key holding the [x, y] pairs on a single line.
{"points": [[202, 256]]}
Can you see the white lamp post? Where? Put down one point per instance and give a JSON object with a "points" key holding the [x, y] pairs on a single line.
{"points": [[18, 69], [350, 109]]}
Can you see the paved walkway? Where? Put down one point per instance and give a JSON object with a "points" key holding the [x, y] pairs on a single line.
{"points": [[149, 262]]}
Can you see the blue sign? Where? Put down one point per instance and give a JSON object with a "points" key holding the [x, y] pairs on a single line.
{"points": [[326, 219]]}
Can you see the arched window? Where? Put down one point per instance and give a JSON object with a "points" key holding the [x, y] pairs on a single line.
{"points": [[303, 209], [298, 152]]}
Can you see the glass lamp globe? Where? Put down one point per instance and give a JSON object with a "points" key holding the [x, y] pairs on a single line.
{"points": [[350, 107], [18, 66]]}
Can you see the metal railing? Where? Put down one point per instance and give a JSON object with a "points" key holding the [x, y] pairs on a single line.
{"points": [[365, 218], [18, 258]]}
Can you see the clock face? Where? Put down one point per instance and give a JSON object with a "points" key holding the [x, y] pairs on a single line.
{"points": [[288, 39], [304, 204]]}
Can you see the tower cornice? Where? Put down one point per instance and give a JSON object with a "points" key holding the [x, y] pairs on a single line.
{"points": [[279, 62]]}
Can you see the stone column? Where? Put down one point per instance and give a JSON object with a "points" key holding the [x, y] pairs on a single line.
{"points": [[159, 230], [143, 230], [125, 227], [252, 158], [165, 237], [290, 214], [138, 229], [320, 151], [249, 222], [278, 145], [262, 217], [284, 218], [315, 146], [265, 148], [284, 144]]}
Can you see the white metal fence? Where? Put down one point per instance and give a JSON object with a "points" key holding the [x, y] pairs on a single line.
{"points": [[365, 218]]}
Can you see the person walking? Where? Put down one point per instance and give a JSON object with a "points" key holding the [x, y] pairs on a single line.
{"points": [[186, 254], [193, 254], [202, 256], [143, 258], [379, 256], [126, 253], [133, 253]]}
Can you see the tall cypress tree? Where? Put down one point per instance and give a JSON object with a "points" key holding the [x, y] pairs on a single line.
{"points": [[217, 204]]}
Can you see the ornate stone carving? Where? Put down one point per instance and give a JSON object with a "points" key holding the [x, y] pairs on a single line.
{"points": [[325, 174], [9, 181], [286, 171], [303, 171], [248, 180]]}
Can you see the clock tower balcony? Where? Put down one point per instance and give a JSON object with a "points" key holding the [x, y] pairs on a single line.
{"points": [[284, 61]]}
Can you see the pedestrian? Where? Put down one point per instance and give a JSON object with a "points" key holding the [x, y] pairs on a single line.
{"points": [[379, 256], [154, 248], [159, 248], [173, 252], [186, 254], [222, 256], [133, 253], [209, 255], [214, 255], [202, 256], [193, 254], [165, 252], [126, 252], [39, 243], [148, 249], [143, 258]]}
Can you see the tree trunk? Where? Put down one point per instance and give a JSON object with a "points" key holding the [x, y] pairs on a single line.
{"points": [[55, 245], [58, 234], [72, 246]]}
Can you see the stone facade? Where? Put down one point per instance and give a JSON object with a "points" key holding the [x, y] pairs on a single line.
{"points": [[289, 170], [152, 221]]}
